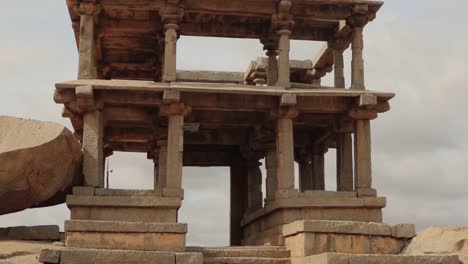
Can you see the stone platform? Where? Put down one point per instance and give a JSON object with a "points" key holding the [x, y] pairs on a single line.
{"points": [[265, 226], [122, 205]]}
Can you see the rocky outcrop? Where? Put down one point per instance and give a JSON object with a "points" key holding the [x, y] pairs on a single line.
{"points": [[441, 241], [39, 163]]}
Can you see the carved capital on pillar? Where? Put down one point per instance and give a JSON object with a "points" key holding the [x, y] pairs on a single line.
{"points": [[174, 109], [172, 13], [85, 98], [87, 8], [270, 45], [360, 16], [363, 114], [302, 155], [283, 20], [339, 44], [287, 112]]}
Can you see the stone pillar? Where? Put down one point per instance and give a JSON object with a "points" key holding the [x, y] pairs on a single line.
{"points": [[87, 54], [338, 62], [175, 149], [160, 181], [283, 63], [362, 158], [171, 16], [285, 148], [271, 47], [344, 162], [271, 176], [306, 182], [93, 158], [254, 182], [318, 167], [93, 133], [284, 24], [238, 203], [170, 52], [357, 22]]}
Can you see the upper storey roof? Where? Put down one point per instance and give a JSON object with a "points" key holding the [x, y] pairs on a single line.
{"points": [[129, 33]]}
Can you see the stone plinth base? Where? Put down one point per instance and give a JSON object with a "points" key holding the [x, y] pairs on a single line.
{"points": [[306, 238], [96, 256], [335, 258], [264, 226], [122, 205], [125, 235]]}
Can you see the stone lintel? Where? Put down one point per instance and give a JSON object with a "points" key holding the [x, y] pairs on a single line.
{"points": [[123, 227], [123, 201], [339, 227]]}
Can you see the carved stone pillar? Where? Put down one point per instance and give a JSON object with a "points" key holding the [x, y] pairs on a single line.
{"points": [[87, 54], [284, 24], [306, 182], [339, 46], [285, 145], [271, 47], [271, 176], [239, 191], [171, 17], [254, 182], [344, 162], [175, 143], [93, 133], [160, 181], [362, 158], [357, 22], [318, 167]]}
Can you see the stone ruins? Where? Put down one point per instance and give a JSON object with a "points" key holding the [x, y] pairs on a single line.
{"points": [[130, 97]]}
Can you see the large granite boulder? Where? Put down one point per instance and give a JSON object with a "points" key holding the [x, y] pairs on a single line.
{"points": [[39, 163], [441, 241]]}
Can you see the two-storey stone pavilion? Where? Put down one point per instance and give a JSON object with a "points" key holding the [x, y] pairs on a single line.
{"points": [[130, 97]]}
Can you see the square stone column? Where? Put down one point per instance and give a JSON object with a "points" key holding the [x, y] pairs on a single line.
{"points": [[93, 148], [87, 52], [271, 176], [160, 179], [318, 167], [357, 21], [285, 145], [306, 182], [175, 149], [254, 184], [344, 162], [238, 201], [362, 159]]}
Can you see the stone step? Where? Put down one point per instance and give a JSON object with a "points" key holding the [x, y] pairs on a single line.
{"points": [[123, 208], [97, 256], [125, 235], [336, 258], [253, 252], [246, 260]]}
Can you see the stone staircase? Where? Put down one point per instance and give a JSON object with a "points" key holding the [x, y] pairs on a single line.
{"points": [[243, 255]]}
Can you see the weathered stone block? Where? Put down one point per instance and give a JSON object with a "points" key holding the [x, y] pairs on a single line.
{"points": [[189, 258], [129, 214], [127, 241], [81, 256], [49, 233], [49, 256], [404, 231], [83, 190]]}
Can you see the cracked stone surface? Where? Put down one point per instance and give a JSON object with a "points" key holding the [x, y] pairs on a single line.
{"points": [[39, 163]]}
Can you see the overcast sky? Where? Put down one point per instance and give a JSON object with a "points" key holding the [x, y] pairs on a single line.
{"points": [[417, 49]]}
